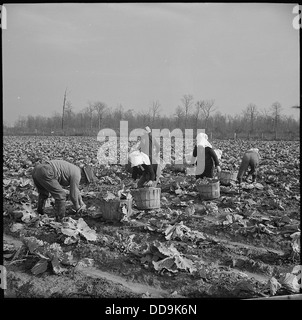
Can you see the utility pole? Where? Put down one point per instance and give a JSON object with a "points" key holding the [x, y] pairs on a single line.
{"points": [[63, 109]]}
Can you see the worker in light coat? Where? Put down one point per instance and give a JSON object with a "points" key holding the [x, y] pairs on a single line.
{"points": [[51, 176]]}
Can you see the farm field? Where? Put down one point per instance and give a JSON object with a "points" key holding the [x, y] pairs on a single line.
{"points": [[245, 244]]}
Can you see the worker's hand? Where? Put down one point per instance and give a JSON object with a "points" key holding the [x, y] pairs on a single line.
{"points": [[149, 183], [81, 209], [134, 185]]}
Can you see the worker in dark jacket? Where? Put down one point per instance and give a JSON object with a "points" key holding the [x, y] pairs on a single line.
{"points": [[205, 156], [249, 160], [151, 147], [50, 176], [141, 168]]}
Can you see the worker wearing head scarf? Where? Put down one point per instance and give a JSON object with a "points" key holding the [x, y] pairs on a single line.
{"points": [[250, 160], [151, 147], [141, 167], [205, 157]]}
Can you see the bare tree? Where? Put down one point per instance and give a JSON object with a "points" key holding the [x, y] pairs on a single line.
{"points": [[154, 111], [236, 125], [129, 115], [68, 113], [219, 124], [187, 101], [251, 114], [63, 112], [100, 108], [207, 108], [21, 122], [144, 118], [119, 112], [197, 112], [89, 110], [179, 114], [276, 112]]}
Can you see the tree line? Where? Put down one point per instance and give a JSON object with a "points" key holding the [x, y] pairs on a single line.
{"points": [[252, 122]]}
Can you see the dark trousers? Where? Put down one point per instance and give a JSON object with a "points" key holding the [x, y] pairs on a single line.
{"points": [[249, 161], [146, 176], [206, 174]]}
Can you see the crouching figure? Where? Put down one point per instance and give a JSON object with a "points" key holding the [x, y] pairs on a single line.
{"points": [[205, 158], [142, 168], [250, 160], [50, 176]]}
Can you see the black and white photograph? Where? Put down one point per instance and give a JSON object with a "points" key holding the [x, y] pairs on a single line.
{"points": [[151, 154]]}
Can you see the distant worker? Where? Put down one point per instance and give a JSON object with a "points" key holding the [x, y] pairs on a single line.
{"points": [[151, 147], [50, 176], [204, 157], [249, 160]]}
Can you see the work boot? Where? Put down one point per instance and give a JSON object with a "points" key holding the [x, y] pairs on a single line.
{"points": [[41, 204], [60, 208]]}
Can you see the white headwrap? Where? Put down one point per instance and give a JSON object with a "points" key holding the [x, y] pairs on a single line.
{"points": [[137, 158], [202, 140]]}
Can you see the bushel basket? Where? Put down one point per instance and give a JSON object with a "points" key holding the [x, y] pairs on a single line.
{"points": [[226, 177], [113, 209], [209, 190], [147, 198]]}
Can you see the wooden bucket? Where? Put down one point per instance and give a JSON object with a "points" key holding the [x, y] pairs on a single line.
{"points": [[147, 198], [112, 209], [209, 191], [226, 177]]}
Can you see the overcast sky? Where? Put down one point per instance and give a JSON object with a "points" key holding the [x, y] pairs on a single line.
{"points": [[136, 53]]}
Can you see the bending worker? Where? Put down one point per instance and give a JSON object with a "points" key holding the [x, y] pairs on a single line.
{"points": [[50, 176], [205, 156], [249, 160], [141, 168], [150, 146]]}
